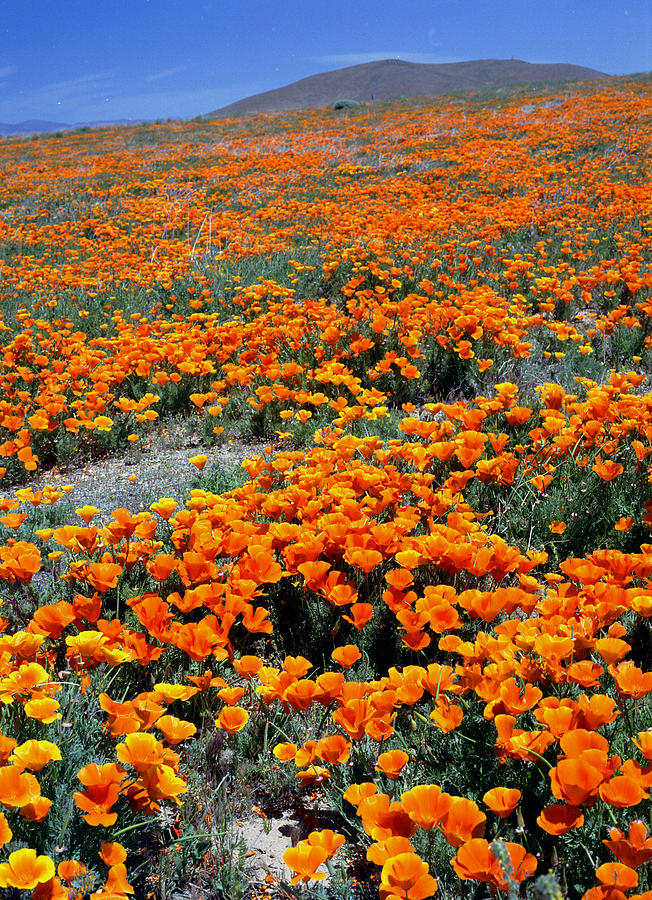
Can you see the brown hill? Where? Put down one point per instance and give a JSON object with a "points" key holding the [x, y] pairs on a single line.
{"points": [[390, 78]]}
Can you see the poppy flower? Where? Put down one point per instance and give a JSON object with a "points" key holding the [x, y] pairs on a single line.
{"points": [[612, 649], [305, 859], [44, 709], [175, 730], [622, 791], [631, 681], [446, 715], [164, 507], [34, 755], [426, 804], [69, 869], [380, 851], [313, 775], [232, 719], [36, 810], [329, 841], [102, 788], [347, 655], [476, 860], [334, 750], [285, 751], [462, 822], [407, 876], [87, 513], [392, 763], [17, 788], [502, 801], [356, 793], [6, 833], [382, 818], [247, 666], [162, 783], [140, 750], [576, 781], [633, 850], [116, 882], [25, 870], [559, 819], [112, 854], [230, 696], [361, 615], [103, 576], [617, 875], [644, 743]]}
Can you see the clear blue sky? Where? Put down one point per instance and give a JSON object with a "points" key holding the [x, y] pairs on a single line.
{"points": [[81, 60]]}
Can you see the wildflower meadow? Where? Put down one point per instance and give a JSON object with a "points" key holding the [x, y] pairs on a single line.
{"points": [[419, 619]]}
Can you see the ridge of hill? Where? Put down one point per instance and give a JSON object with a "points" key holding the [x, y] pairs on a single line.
{"points": [[391, 78], [42, 126]]}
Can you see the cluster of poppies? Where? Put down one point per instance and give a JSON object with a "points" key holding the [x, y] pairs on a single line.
{"points": [[360, 527], [433, 619], [110, 313]]}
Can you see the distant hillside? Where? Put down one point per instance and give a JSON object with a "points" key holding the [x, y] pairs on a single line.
{"points": [[390, 78], [41, 126], [32, 126]]}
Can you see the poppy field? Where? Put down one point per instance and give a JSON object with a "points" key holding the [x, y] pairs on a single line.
{"points": [[419, 618]]}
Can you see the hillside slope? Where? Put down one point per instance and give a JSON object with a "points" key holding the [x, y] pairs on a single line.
{"points": [[389, 78]]}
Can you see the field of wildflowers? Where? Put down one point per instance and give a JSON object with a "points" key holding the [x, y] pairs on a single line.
{"points": [[421, 617]]}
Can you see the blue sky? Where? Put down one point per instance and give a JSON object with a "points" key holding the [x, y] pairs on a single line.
{"points": [[84, 60]]}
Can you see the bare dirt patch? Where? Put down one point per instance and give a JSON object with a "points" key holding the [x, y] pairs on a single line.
{"points": [[135, 478]]}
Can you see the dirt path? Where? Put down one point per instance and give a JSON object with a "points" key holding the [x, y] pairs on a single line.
{"points": [[138, 476]]}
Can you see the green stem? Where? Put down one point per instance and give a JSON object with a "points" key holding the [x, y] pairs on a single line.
{"points": [[66, 820]]}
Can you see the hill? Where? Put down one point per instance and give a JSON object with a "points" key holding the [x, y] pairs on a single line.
{"points": [[389, 78], [42, 126]]}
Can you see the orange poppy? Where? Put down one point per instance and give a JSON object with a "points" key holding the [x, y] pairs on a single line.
{"points": [[617, 875], [334, 750], [622, 791], [462, 822], [232, 719], [407, 876], [6, 833], [112, 854], [329, 841], [162, 783], [559, 819], [476, 860], [426, 804], [361, 615], [305, 859], [392, 763], [25, 870], [633, 850], [116, 882], [175, 730], [382, 818], [502, 801], [347, 655], [356, 793], [17, 788], [380, 851], [36, 810], [102, 783], [644, 743], [247, 666], [44, 709], [141, 751]]}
